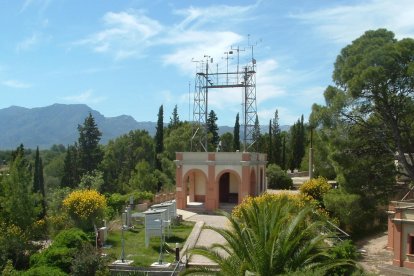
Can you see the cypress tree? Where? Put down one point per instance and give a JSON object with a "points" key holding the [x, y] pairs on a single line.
{"points": [[270, 156], [277, 142], [236, 134], [159, 138]]}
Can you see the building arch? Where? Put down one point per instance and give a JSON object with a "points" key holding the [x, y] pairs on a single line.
{"points": [[195, 181], [229, 186]]}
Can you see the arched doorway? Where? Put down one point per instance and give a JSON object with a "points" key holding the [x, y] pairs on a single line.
{"points": [[196, 188], [229, 188]]}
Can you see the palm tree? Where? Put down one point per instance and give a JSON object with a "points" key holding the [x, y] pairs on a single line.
{"points": [[271, 238]]}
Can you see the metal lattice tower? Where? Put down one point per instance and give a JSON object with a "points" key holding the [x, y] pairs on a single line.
{"points": [[205, 80]]}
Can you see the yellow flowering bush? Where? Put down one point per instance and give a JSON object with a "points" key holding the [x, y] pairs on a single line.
{"points": [[316, 188], [298, 200], [85, 207]]}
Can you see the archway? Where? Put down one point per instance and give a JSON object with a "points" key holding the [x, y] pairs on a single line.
{"points": [[196, 187], [229, 184]]}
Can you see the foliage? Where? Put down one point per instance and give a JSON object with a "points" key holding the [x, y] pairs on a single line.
{"points": [[61, 253], [276, 140], [71, 174], [175, 119], [226, 142], [43, 270], [277, 178], [348, 209], [374, 77], [92, 180], [256, 134], [159, 138], [143, 178], [14, 246], [178, 140], [39, 183], [298, 201], [271, 238], [297, 144], [90, 153], [236, 134], [316, 188], [18, 203], [88, 261], [121, 157], [344, 250], [85, 207], [212, 131]]}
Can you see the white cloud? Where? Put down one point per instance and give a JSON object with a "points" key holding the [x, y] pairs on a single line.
{"points": [[16, 84], [287, 116], [126, 34], [86, 97], [342, 24], [28, 43]]}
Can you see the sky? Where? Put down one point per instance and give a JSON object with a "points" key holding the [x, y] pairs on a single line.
{"points": [[130, 57]]}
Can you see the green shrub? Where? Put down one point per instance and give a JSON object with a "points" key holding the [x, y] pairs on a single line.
{"points": [[117, 201], [347, 208], [43, 270], [62, 251], [88, 262], [277, 178], [316, 188], [341, 251], [71, 238]]}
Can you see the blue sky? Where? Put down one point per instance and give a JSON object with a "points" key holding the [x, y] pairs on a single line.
{"points": [[129, 57]]}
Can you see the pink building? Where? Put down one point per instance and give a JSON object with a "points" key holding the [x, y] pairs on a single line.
{"points": [[401, 232], [215, 178]]}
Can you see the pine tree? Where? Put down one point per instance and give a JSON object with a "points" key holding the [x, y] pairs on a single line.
{"points": [[90, 154], [175, 119], [159, 138], [212, 131], [236, 134], [38, 182]]}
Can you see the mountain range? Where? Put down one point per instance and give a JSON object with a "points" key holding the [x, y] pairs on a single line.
{"points": [[58, 124]]}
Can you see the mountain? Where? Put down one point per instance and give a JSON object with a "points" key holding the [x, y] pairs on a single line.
{"points": [[58, 124]]}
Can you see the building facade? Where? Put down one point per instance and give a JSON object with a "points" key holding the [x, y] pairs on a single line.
{"points": [[401, 232], [214, 178]]}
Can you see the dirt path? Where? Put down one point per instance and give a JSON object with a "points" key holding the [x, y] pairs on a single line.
{"points": [[375, 253]]}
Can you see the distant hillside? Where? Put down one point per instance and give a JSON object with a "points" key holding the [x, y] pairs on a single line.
{"points": [[57, 124]]}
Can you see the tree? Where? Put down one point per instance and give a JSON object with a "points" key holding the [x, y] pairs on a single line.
{"points": [[212, 131], [226, 142], [374, 76], [270, 154], [277, 140], [90, 154], [86, 207], [283, 160], [175, 119], [71, 175], [38, 182], [277, 178], [121, 157], [273, 237], [143, 178], [256, 133], [297, 144], [236, 134], [159, 137], [18, 203]]}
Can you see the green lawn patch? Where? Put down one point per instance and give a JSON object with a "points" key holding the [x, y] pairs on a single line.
{"points": [[135, 244]]}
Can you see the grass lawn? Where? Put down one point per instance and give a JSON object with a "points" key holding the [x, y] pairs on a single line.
{"points": [[135, 244]]}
